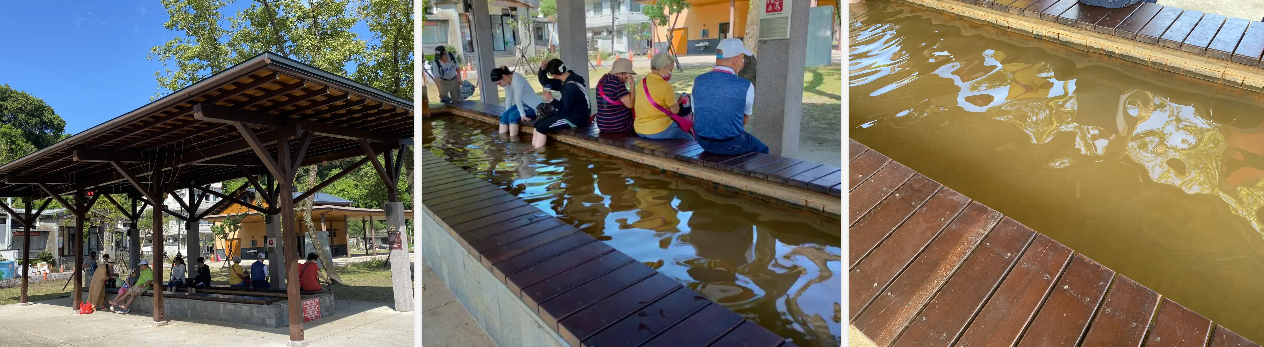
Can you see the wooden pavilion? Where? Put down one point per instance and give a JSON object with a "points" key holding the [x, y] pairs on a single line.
{"points": [[262, 120]]}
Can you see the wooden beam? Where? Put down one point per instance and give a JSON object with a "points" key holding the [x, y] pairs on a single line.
{"points": [[318, 104], [220, 114], [129, 156], [381, 171], [131, 177], [129, 214], [294, 100], [260, 151], [335, 109], [258, 188], [331, 180], [63, 202], [221, 202], [240, 202], [302, 150]]}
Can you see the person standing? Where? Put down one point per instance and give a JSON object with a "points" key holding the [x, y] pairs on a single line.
{"points": [[449, 80], [723, 103], [614, 101]]}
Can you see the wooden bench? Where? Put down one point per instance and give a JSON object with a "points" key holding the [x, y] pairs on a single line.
{"points": [[590, 293], [231, 298], [807, 175]]}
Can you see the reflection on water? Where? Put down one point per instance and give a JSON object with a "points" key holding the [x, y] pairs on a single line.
{"points": [[1158, 181], [778, 267]]}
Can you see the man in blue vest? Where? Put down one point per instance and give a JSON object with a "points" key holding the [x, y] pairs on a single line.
{"points": [[722, 104], [259, 273]]}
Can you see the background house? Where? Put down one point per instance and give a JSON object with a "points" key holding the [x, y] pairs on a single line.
{"points": [[613, 26]]}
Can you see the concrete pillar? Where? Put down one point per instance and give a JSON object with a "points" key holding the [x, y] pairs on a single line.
{"points": [[486, 61], [133, 247], [192, 243], [572, 41], [401, 273], [779, 87], [276, 259]]}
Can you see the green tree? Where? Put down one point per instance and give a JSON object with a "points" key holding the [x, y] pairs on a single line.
{"points": [[39, 126], [548, 8], [12, 144], [660, 11], [388, 62], [202, 50]]}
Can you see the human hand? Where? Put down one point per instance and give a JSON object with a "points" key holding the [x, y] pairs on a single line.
{"points": [[548, 96]]}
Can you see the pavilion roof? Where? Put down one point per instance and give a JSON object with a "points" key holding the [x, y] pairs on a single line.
{"points": [[193, 131]]}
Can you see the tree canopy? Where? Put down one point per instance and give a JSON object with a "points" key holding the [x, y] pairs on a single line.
{"points": [[27, 124]]}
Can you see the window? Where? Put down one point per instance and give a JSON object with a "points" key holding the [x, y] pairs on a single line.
{"points": [[254, 243], [434, 32], [540, 33], [705, 33], [636, 7], [38, 239], [724, 31]]}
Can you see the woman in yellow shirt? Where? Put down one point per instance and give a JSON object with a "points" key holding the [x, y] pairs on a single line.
{"points": [[651, 123]]}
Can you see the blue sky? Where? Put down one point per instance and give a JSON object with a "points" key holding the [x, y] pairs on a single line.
{"points": [[86, 59]]}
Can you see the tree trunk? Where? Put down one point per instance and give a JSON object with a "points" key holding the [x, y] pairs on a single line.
{"points": [[751, 39], [317, 244]]}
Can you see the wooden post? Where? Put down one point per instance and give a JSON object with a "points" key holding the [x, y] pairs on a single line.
{"points": [[285, 195], [78, 244]]}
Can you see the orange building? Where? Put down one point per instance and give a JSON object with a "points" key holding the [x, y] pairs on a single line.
{"points": [[330, 214], [701, 26]]}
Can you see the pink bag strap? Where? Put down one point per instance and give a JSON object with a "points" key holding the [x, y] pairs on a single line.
{"points": [[684, 123], [602, 92]]}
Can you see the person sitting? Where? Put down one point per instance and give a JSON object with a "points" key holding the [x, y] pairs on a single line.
{"points": [[654, 99], [259, 273], [520, 100], [142, 284], [572, 111], [722, 104], [307, 274], [202, 279], [449, 81], [89, 266], [614, 103], [237, 276], [178, 272]]}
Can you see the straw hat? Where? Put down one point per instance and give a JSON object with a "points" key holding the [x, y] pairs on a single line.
{"points": [[622, 65]]}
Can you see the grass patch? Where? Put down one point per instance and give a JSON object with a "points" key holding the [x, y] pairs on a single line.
{"points": [[39, 291], [362, 281]]}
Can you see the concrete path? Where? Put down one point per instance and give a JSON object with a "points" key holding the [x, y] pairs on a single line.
{"points": [[51, 323], [444, 321], [1249, 9]]}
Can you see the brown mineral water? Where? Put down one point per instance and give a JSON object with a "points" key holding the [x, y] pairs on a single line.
{"points": [[1154, 176], [777, 266]]}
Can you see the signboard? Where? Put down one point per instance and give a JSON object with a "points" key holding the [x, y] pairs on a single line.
{"points": [[396, 243], [271, 243], [774, 20]]}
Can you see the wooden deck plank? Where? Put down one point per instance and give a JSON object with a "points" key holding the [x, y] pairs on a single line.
{"points": [[1138, 20], [854, 149], [1053, 12], [1180, 29], [544, 252], [1016, 301], [571, 301], [495, 252], [864, 166], [1017, 7], [872, 273], [765, 172], [1227, 38], [1203, 33], [1083, 16], [1252, 45], [1177, 326], [481, 209], [700, 329], [887, 215], [874, 190], [946, 316], [475, 203], [509, 226], [783, 176], [556, 265], [544, 290], [826, 182], [804, 179], [434, 199], [1001, 5], [1151, 32], [1116, 17], [583, 324], [474, 225], [647, 322], [1036, 8], [1064, 317], [1225, 338], [749, 334], [908, 293], [1124, 316]]}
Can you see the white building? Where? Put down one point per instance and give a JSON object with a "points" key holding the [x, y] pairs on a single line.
{"points": [[448, 24], [613, 26], [43, 235]]}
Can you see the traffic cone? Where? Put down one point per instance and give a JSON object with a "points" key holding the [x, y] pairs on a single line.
{"points": [[598, 58], [629, 55]]}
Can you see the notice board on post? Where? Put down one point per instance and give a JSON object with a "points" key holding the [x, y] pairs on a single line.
{"points": [[774, 20]]}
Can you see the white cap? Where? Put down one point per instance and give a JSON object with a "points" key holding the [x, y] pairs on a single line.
{"points": [[729, 48], [144, 262], [263, 255]]}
